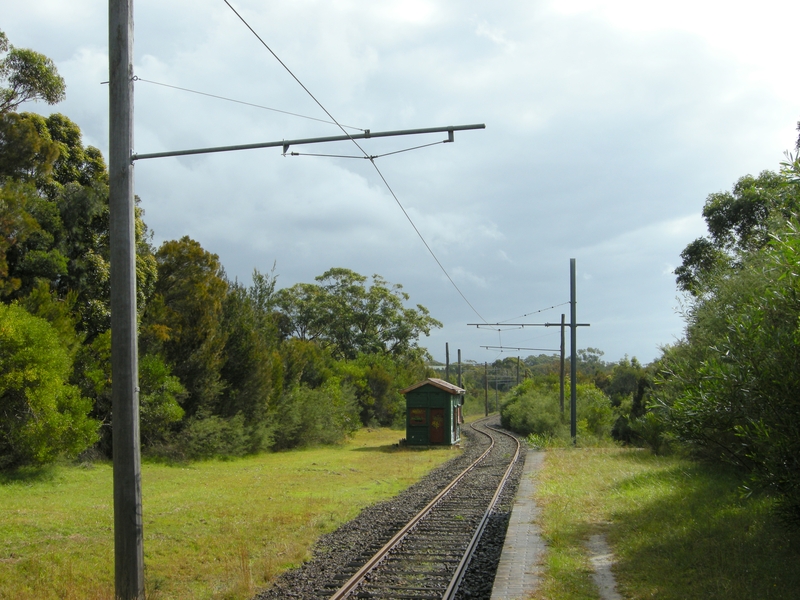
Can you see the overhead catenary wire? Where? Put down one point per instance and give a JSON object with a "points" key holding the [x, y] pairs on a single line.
{"points": [[541, 310], [371, 160]]}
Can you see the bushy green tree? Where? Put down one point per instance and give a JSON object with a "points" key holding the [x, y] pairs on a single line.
{"points": [[42, 416], [533, 407], [250, 361], [730, 388], [627, 385], [739, 222], [27, 75], [349, 317], [325, 415], [183, 322], [159, 401]]}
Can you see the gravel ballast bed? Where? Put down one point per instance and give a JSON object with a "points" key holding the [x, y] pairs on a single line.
{"points": [[334, 553]]}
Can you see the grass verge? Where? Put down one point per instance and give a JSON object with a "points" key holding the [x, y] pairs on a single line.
{"points": [[679, 530], [212, 530]]}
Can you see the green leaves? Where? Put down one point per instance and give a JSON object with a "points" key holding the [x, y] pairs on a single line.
{"points": [[733, 384], [739, 222], [41, 415], [350, 318], [28, 75]]}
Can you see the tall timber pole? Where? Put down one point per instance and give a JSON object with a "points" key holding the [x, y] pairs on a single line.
{"points": [[573, 367], [561, 371], [128, 535]]}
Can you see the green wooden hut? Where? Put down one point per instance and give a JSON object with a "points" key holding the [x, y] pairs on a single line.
{"points": [[433, 413]]}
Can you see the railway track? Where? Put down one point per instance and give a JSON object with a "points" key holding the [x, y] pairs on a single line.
{"points": [[428, 557]]}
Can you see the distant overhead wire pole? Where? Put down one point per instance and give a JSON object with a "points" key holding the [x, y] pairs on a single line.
{"points": [[573, 325]]}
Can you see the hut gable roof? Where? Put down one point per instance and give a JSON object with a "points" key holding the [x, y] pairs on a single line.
{"points": [[438, 383]]}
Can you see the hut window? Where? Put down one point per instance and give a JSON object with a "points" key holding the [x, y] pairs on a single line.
{"points": [[416, 416]]}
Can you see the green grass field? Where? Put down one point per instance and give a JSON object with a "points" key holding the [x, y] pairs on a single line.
{"points": [[223, 529], [212, 530], [679, 530]]}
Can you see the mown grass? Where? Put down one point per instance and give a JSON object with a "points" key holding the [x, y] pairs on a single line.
{"points": [[212, 530], [679, 530]]}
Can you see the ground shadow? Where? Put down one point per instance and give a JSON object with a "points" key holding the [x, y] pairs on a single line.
{"points": [[700, 533]]}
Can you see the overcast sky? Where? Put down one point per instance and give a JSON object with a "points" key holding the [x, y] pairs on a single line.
{"points": [[607, 125]]}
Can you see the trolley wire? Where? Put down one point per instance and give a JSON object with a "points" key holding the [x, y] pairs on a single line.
{"points": [[371, 160], [535, 312]]}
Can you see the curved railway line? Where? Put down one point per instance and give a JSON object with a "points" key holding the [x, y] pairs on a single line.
{"points": [[418, 544], [428, 557]]}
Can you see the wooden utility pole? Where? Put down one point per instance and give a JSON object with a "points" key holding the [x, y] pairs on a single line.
{"points": [[459, 368], [573, 368], [486, 388], [128, 535], [447, 362], [561, 376]]}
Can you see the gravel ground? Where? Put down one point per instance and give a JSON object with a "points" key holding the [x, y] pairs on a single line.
{"points": [[357, 540]]}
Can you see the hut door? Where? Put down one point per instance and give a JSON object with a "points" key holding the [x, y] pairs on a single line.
{"points": [[437, 426]]}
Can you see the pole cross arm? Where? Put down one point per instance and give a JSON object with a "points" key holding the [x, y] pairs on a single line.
{"points": [[511, 348], [285, 144], [479, 325]]}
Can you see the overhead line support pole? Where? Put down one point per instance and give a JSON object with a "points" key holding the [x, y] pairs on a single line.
{"points": [[561, 370], [573, 369], [128, 535]]}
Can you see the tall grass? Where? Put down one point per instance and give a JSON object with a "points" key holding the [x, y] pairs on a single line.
{"points": [[212, 530], [679, 530]]}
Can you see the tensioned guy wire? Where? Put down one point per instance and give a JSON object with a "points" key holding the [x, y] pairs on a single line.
{"points": [[366, 155], [285, 112]]}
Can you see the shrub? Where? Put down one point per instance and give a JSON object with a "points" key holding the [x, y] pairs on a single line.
{"points": [[306, 416], [534, 409], [41, 415], [730, 389], [212, 436], [159, 400]]}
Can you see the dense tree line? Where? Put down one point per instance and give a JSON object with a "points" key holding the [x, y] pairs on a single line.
{"points": [[730, 389], [224, 368]]}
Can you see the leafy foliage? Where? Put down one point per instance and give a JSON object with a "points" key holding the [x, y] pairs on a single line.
{"points": [[350, 318], [42, 416], [738, 222], [183, 321], [533, 408], [224, 369], [29, 76], [730, 388]]}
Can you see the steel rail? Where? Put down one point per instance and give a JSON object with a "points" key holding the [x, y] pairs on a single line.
{"points": [[373, 562], [348, 587], [461, 570]]}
